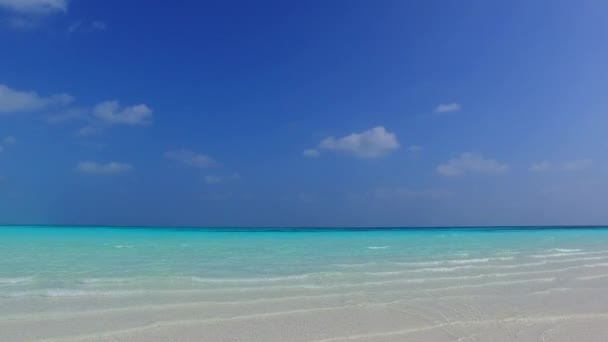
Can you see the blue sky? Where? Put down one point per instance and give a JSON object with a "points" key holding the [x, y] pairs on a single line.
{"points": [[310, 113]]}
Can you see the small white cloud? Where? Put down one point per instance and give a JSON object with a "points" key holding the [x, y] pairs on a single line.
{"points": [[103, 169], [191, 158], [372, 143], [111, 112], [414, 148], [448, 108], [214, 179], [311, 153], [541, 166], [577, 165], [35, 6], [471, 162], [14, 101]]}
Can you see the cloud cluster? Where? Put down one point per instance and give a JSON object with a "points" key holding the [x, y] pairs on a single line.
{"points": [[471, 163], [372, 143], [111, 112], [102, 115], [30, 14], [35, 6], [90, 167], [16, 101]]}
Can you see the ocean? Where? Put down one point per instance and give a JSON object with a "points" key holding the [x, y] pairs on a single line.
{"points": [[167, 277]]}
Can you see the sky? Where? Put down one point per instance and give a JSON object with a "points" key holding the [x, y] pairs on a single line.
{"points": [[307, 113]]}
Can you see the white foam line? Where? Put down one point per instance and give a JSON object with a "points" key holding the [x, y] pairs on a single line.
{"points": [[564, 250], [105, 280], [463, 267], [562, 254], [52, 293], [121, 293], [264, 280], [597, 276]]}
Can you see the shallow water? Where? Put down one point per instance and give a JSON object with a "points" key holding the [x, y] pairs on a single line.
{"points": [[49, 271]]}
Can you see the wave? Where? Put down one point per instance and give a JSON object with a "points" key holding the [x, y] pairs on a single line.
{"points": [[305, 276], [105, 280], [562, 254], [564, 250], [592, 277], [52, 293], [15, 281], [455, 261], [378, 247]]}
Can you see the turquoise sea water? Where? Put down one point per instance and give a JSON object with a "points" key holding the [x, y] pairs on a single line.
{"points": [[55, 261]]}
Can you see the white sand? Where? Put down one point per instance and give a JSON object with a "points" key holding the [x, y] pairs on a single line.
{"points": [[564, 299]]}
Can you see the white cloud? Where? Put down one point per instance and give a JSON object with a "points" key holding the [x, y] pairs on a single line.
{"points": [[471, 162], [35, 6], [311, 153], [191, 158], [13, 101], [414, 148], [103, 169], [111, 112], [448, 108], [541, 166], [577, 165], [372, 143]]}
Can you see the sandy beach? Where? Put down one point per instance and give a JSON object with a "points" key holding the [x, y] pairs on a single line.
{"points": [[554, 296]]}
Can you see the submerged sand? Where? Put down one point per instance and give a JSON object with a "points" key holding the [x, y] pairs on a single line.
{"points": [[547, 297]]}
